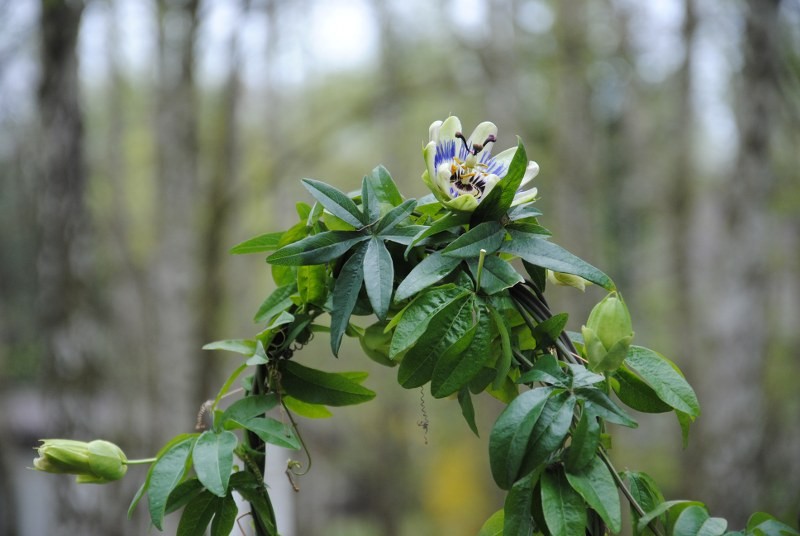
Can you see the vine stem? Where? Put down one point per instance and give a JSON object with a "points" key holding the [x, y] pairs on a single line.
{"points": [[142, 461], [625, 491]]}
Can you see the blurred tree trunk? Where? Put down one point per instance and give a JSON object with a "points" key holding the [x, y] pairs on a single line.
{"points": [[72, 368], [572, 193], [218, 205], [731, 431], [174, 356]]}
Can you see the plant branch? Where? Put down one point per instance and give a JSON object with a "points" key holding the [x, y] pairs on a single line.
{"points": [[625, 491]]}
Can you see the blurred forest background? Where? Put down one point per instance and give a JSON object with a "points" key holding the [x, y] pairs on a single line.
{"points": [[140, 140]]}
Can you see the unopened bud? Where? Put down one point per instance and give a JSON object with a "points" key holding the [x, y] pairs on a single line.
{"points": [[95, 462], [610, 320]]}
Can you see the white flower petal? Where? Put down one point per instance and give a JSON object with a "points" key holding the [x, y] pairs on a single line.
{"points": [[505, 157], [433, 131], [442, 178], [481, 132], [530, 172], [429, 154], [448, 129], [524, 197], [490, 182]]}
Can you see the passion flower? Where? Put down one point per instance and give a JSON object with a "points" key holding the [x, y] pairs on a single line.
{"points": [[461, 171]]}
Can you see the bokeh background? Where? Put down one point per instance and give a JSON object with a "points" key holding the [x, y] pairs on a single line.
{"points": [[140, 140]]}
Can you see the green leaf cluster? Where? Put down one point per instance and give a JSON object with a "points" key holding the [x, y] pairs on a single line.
{"points": [[441, 299]]}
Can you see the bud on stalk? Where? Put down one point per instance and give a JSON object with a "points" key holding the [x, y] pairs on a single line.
{"points": [[95, 462], [607, 334]]}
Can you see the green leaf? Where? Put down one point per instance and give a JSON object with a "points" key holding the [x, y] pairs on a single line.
{"points": [[597, 487], [510, 435], [546, 370], [685, 421], [467, 409], [317, 249], [517, 517], [248, 407], [278, 301], [529, 228], [548, 331], [254, 491], [564, 511], [312, 284], [274, 432], [663, 508], [503, 364], [448, 221], [213, 460], [761, 524], [600, 405], [521, 212], [304, 409], [259, 244], [394, 217], [464, 360], [345, 296], [318, 387], [336, 202], [695, 521], [497, 203], [550, 430], [197, 515], [585, 440], [660, 374], [445, 330], [165, 474], [497, 274], [416, 316], [487, 236], [384, 188], [635, 393], [225, 516], [432, 268], [378, 277], [182, 494], [581, 377], [369, 203], [494, 525], [401, 234], [645, 492], [538, 251], [240, 346]]}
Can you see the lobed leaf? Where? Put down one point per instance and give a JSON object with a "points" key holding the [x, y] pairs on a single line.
{"points": [[562, 506], [464, 360], [318, 387], [497, 274], [345, 296], [538, 251], [511, 433], [213, 460], [378, 276], [597, 487], [165, 474], [259, 244], [432, 269], [336, 202], [317, 249], [660, 374], [415, 317], [486, 236]]}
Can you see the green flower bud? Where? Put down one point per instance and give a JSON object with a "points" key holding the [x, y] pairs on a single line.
{"points": [[610, 320], [96, 462]]}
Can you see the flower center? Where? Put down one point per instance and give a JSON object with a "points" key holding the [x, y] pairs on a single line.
{"points": [[468, 176]]}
